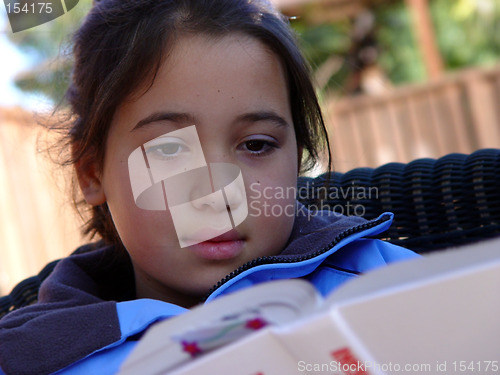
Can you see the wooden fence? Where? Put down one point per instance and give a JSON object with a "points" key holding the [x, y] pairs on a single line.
{"points": [[458, 113], [36, 226]]}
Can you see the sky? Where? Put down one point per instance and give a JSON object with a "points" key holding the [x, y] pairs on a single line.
{"points": [[12, 62]]}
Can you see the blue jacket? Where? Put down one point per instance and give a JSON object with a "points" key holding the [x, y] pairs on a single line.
{"points": [[87, 321]]}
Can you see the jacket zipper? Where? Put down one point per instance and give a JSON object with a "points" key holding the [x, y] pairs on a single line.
{"points": [[300, 258]]}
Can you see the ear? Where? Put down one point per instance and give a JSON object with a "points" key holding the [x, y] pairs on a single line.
{"points": [[90, 182]]}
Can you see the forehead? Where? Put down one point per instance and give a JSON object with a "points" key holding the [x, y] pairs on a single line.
{"points": [[200, 72], [202, 61]]}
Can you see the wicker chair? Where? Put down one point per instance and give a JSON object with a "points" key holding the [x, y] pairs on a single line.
{"points": [[437, 204]]}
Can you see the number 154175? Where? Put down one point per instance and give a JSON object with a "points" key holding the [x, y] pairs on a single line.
{"points": [[32, 8], [475, 366]]}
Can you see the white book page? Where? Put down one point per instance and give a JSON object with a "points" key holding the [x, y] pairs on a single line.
{"points": [[412, 273], [226, 319]]}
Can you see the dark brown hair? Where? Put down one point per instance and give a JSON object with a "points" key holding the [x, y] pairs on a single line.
{"points": [[121, 45]]}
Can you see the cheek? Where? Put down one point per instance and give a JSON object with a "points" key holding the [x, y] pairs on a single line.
{"points": [[271, 200], [271, 192], [271, 215], [135, 225]]}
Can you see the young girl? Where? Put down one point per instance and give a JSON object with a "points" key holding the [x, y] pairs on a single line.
{"points": [[191, 120]]}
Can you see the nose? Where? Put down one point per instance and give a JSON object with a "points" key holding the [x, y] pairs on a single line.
{"points": [[227, 190], [235, 193], [214, 201]]}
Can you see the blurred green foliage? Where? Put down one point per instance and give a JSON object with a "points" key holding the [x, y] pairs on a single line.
{"points": [[399, 55], [467, 32]]}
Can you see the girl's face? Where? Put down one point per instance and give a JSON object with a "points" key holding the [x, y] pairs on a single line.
{"points": [[233, 90]]}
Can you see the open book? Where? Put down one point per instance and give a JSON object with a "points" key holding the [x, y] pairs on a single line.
{"points": [[437, 314]]}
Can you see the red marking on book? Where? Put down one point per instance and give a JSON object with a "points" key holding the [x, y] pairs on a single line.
{"points": [[349, 361], [256, 324], [192, 348]]}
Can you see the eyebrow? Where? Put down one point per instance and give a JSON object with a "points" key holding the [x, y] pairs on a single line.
{"points": [[270, 116], [186, 118], [181, 118]]}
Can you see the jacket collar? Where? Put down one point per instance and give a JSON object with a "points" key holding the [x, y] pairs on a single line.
{"points": [[315, 236]]}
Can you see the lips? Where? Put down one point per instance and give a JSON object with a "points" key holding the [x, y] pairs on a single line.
{"points": [[232, 235], [225, 246], [212, 235]]}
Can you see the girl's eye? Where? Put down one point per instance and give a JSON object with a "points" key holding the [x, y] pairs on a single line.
{"points": [[166, 151], [258, 147], [255, 146]]}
